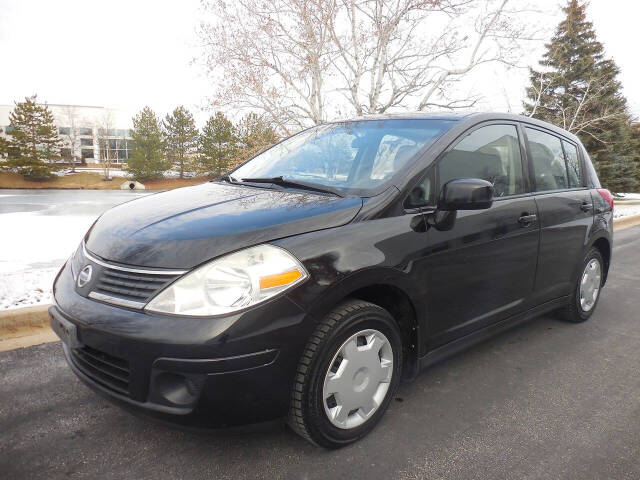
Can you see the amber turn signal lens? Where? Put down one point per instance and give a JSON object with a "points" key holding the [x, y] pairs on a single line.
{"points": [[279, 279]]}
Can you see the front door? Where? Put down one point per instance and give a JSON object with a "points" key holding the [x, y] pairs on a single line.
{"points": [[483, 269]]}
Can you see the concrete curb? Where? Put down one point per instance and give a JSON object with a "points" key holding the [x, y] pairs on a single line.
{"points": [[24, 317], [25, 327], [626, 222]]}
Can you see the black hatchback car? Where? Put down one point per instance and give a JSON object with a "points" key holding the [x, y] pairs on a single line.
{"points": [[308, 281]]}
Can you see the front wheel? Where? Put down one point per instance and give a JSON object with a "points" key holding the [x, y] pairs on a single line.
{"points": [[586, 292], [347, 375]]}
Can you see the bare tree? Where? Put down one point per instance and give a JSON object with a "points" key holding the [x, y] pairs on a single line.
{"points": [[72, 119], [105, 125], [270, 55], [298, 60], [576, 115]]}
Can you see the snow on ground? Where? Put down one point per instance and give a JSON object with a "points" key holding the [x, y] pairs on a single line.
{"points": [[626, 206], [620, 211], [33, 252], [39, 230], [629, 196], [113, 172]]}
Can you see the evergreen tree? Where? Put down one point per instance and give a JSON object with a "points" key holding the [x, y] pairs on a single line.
{"points": [[254, 135], [4, 147], [181, 136], [577, 89], [33, 140], [147, 159], [217, 145]]}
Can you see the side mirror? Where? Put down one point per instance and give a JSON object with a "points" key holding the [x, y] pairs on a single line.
{"points": [[466, 194]]}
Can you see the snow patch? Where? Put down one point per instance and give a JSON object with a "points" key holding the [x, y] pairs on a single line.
{"points": [[33, 247], [621, 211], [628, 196]]}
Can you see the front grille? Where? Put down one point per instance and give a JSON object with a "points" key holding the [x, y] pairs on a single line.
{"points": [[124, 285], [110, 371], [130, 286]]}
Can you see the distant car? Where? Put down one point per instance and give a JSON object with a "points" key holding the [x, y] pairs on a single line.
{"points": [[272, 292]]}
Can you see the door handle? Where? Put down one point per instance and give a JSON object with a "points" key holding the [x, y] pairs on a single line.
{"points": [[525, 219], [585, 207]]}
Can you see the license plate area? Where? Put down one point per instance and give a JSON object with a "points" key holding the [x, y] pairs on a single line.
{"points": [[66, 330]]}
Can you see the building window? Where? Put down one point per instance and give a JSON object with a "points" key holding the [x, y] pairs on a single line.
{"points": [[64, 130], [65, 153], [87, 153], [122, 154], [86, 142], [85, 131], [114, 132]]}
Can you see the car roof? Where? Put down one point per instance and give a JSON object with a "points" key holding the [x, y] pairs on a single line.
{"points": [[470, 118]]}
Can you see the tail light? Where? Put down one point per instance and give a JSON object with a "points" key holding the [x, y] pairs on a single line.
{"points": [[606, 195]]}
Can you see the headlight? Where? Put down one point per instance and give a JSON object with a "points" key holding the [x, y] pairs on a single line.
{"points": [[232, 282]]}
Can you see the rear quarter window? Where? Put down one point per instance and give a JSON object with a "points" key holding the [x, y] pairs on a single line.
{"points": [[573, 165]]}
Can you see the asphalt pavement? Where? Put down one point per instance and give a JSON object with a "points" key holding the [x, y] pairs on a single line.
{"points": [[544, 400], [58, 202]]}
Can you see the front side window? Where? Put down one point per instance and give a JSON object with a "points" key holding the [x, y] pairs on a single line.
{"points": [[547, 159], [573, 164], [489, 153], [355, 157]]}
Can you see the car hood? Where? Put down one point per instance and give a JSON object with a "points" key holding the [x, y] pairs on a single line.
{"points": [[184, 227]]}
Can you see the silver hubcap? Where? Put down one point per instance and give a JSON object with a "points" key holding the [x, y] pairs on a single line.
{"points": [[358, 379], [590, 285]]}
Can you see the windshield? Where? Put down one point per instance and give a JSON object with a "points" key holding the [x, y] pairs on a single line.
{"points": [[355, 157]]}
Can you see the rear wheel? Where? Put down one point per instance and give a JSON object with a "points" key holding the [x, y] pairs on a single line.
{"points": [[587, 289], [347, 375]]}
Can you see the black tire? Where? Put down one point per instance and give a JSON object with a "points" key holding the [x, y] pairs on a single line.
{"points": [[573, 311], [307, 415]]}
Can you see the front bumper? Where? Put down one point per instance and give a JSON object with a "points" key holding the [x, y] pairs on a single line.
{"points": [[200, 372]]}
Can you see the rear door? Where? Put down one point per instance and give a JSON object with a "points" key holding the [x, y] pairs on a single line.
{"points": [[565, 208], [482, 270]]}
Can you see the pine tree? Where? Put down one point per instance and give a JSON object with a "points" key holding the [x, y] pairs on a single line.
{"points": [[577, 89], [181, 136], [217, 146], [4, 147], [33, 140], [255, 135], [147, 159]]}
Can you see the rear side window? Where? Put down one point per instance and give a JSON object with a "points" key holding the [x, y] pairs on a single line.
{"points": [[573, 164], [490, 153], [547, 159]]}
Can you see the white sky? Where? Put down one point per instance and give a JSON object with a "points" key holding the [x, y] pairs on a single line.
{"points": [[128, 54]]}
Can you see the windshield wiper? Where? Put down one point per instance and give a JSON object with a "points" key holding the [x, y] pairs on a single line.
{"points": [[286, 182], [226, 177]]}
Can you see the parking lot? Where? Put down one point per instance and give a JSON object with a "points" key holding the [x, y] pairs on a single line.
{"points": [[544, 400]]}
